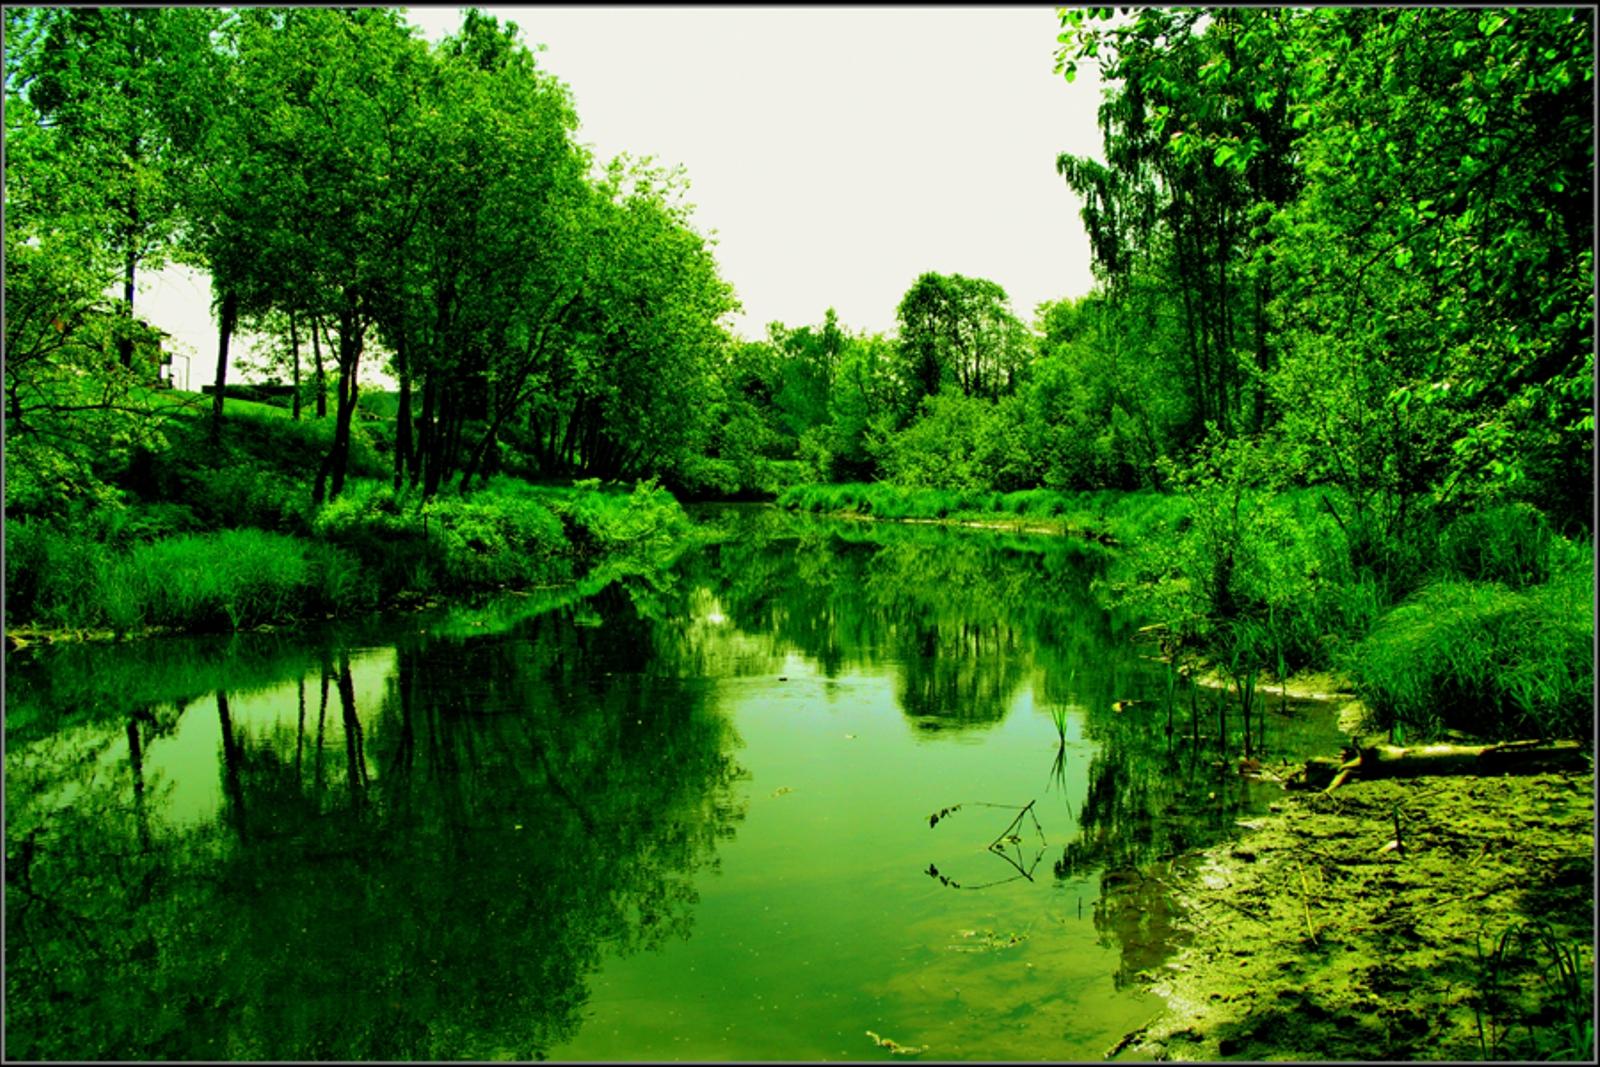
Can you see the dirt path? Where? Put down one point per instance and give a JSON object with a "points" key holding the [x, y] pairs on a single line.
{"points": [[1313, 937]]}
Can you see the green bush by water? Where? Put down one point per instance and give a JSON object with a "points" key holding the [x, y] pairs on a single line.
{"points": [[1484, 658], [224, 580]]}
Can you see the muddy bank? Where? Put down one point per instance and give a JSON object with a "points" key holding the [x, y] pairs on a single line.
{"points": [[1315, 936]]}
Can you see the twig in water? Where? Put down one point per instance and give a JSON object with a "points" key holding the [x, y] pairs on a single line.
{"points": [[1305, 901]]}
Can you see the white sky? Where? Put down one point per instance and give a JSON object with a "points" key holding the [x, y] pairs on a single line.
{"points": [[835, 152]]}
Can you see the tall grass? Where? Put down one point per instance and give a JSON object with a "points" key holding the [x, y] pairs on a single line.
{"points": [[1483, 658], [227, 580], [1125, 516], [1567, 1011], [1512, 544]]}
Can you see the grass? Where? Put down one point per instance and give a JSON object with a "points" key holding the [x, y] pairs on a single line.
{"points": [[1484, 658], [223, 580], [1568, 1011], [211, 538], [1123, 516]]}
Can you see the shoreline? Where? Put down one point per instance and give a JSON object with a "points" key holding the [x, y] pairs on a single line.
{"points": [[1027, 526], [1320, 934]]}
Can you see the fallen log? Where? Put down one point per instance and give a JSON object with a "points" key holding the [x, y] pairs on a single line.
{"points": [[1413, 761]]}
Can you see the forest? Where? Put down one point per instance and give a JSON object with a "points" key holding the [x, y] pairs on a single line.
{"points": [[1331, 394]]}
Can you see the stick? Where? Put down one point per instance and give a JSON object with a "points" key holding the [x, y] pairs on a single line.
{"points": [[1305, 901]]}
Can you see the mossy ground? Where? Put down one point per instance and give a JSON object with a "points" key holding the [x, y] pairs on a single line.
{"points": [[1308, 938]]}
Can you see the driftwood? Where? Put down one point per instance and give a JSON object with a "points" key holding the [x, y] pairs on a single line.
{"points": [[1413, 761]]}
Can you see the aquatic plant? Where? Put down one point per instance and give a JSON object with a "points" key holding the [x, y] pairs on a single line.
{"points": [[1567, 1009], [1058, 719]]}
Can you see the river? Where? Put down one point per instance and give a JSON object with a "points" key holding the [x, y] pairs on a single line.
{"points": [[821, 790]]}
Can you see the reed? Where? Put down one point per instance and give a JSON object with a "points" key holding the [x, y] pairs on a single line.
{"points": [[1483, 658]]}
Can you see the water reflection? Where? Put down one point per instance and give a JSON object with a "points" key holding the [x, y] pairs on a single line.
{"points": [[968, 619], [421, 837], [430, 874]]}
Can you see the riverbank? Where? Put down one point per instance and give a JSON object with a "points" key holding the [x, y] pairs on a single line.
{"points": [[1108, 516], [371, 550], [1321, 935]]}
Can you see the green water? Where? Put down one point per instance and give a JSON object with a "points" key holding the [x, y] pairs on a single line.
{"points": [[680, 815]]}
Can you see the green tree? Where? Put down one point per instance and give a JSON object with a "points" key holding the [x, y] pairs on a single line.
{"points": [[959, 332], [331, 183], [72, 404], [102, 77]]}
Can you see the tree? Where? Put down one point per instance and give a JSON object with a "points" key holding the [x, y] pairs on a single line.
{"points": [[70, 402], [497, 254], [959, 332], [1378, 228], [649, 312], [329, 182], [104, 78]]}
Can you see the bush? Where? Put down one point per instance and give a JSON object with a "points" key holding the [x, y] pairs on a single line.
{"points": [[609, 521], [960, 443], [1483, 658], [497, 540], [1513, 545]]}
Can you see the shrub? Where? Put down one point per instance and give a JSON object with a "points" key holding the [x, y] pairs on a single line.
{"points": [[1483, 658], [498, 540], [1513, 545], [604, 522]]}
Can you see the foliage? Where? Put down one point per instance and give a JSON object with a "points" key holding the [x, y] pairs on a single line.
{"points": [[1362, 250], [959, 333], [1480, 657], [227, 580], [959, 442]]}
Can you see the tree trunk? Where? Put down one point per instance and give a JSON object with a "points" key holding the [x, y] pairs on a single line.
{"points": [[419, 473], [350, 337], [403, 460], [322, 378], [227, 316], [125, 345], [294, 351], [1393, 761]]}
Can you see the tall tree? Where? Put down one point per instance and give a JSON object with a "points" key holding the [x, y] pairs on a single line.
{"points": [[960, 332], [331, 183], [103, 76]]}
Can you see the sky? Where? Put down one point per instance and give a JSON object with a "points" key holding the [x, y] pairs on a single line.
{"points": [[833, 153]]}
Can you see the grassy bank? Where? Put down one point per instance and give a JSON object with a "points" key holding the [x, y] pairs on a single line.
{"points": [[1103, 514], [194, 538]]}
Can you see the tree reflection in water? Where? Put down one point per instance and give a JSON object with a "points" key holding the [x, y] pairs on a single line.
{"points": [[504, 815], [431, 863]]}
